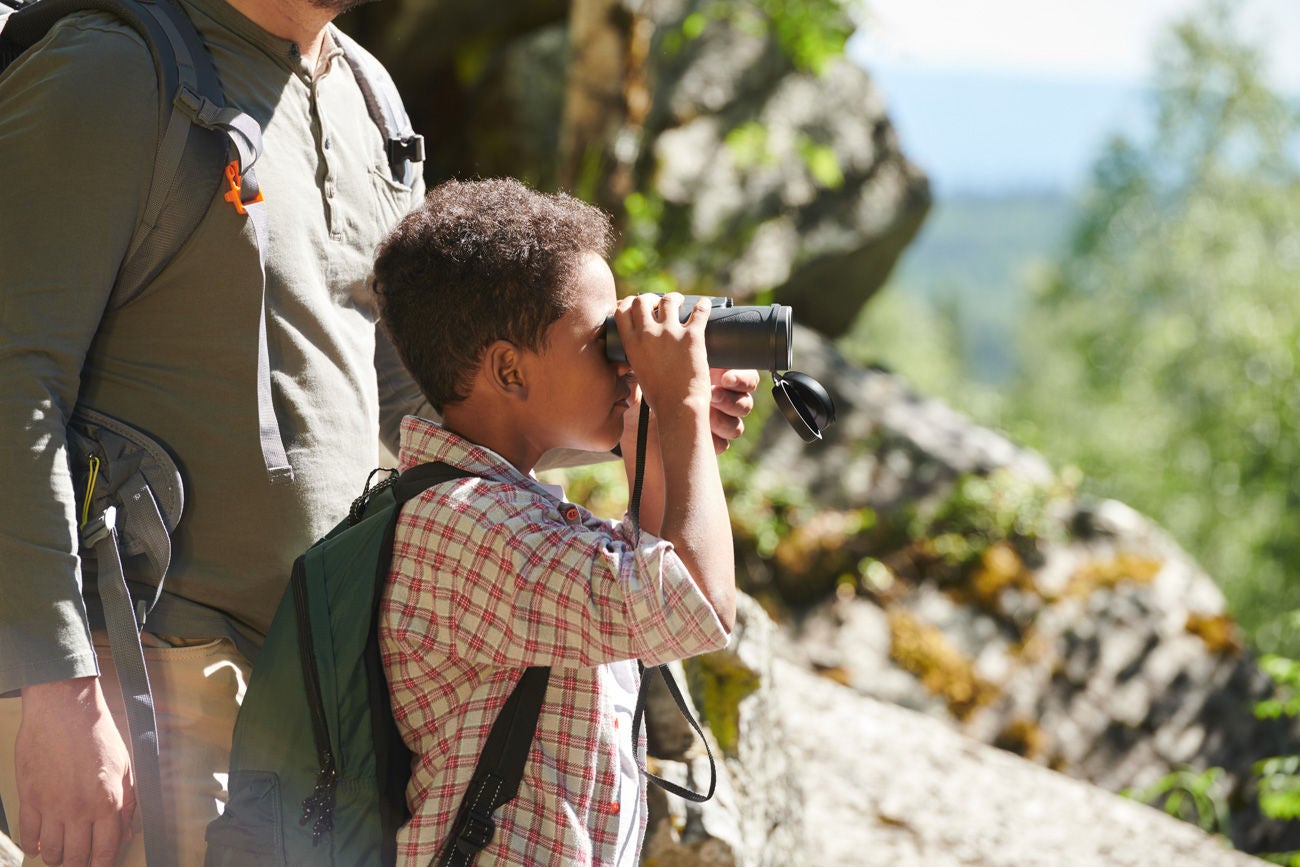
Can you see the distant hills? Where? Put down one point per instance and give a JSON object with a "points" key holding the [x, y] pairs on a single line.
{"points": [[974, 261]]}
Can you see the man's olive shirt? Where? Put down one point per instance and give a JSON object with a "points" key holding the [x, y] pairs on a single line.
{"points": [[78, 129]]}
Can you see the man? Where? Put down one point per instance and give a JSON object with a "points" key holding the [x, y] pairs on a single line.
{"points": [[78, 128]]}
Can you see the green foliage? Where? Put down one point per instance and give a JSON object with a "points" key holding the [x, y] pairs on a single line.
{"points": [[982, 511], [1278, 778], [1286, 674], [810, 33], [1161, 354], [1197, 797], [641, 264], [719, 682], [822, 163]]}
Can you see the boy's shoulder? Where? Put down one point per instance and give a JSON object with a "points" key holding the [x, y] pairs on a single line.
{"points": [[506, 504]]}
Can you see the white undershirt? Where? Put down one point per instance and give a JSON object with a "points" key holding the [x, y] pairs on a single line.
{"points": [[625, 679]]}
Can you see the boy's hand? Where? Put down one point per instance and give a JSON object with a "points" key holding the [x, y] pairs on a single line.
{"points": [[666, 355], [733, 399]]}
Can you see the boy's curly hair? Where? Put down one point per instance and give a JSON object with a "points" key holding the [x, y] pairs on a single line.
{"points": [[480, 261]]}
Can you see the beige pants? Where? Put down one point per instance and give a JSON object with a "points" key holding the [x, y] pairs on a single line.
{"points": [[197, 688]]}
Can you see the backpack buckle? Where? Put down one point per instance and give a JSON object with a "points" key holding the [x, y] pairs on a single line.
{"points": [[235, 195], [476, 833], [410, 149], [99, 528]]}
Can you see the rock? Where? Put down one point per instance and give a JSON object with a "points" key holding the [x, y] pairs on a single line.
{"points": [[1094, 645], [825, 776], [884, 785], [889, 446], [778, 178], [755, 818]]}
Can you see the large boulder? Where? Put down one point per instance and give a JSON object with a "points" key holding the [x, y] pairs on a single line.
{"points": [[776, 177], [818, 774], [936, 565]]}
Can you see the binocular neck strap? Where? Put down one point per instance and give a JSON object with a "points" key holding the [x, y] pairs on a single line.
{"points": [[634, 501]]}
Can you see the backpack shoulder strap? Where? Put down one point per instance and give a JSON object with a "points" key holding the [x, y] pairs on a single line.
{"points": [[187, 162], [404, 148], [197, 132]]}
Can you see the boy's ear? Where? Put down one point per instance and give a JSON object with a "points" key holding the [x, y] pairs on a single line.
{"points": [[504, 370]]}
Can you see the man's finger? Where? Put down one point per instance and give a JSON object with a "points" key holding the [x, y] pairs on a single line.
{"points": [[52, 843], [29, 829], [108, 835], [76, 845]]}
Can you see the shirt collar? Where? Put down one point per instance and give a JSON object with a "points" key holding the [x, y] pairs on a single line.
{"points": [[423, 441], [283, 51]]}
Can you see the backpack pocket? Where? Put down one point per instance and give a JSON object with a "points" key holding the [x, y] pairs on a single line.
{"points": [[250, 830]]}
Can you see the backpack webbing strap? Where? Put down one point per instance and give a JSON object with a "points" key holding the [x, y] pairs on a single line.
{"points": [[392, 760], [133, 679], [404, 149], [499, 772]]}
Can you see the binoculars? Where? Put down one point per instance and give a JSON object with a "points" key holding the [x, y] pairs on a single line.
{"points": [[736, 337], [760, 338]]}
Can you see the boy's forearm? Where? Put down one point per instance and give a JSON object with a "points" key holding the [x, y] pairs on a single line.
{"points": [[695, 515]]}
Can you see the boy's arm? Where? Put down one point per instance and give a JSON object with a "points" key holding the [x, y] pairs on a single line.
{"points": [[671, 367]]}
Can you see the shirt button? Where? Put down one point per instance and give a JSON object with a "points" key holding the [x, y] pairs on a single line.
{"points": [[614, 808], [571, 513]]}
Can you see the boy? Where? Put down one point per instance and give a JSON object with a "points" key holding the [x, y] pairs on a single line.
{"points": [[496, 298]]}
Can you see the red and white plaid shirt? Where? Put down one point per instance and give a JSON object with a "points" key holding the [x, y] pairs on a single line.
{"points": [[494, 574]]}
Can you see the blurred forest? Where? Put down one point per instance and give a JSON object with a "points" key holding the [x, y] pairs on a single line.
{"points": [[1158, 351]]}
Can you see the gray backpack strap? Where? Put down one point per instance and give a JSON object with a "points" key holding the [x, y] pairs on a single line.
{"points": [[130, 499], [404, 148], [101, 535]]}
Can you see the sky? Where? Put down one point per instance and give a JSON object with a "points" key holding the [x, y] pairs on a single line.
{"points": [[1020, 95]]}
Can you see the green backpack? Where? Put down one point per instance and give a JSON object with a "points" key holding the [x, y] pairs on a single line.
{"points": [[318, 771]]}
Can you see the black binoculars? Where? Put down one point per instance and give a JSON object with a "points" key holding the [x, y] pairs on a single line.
{"points": [[736, 337], [760, 338]]}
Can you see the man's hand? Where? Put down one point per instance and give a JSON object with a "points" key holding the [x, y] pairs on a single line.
{"points": [[733, 399], [75, 791]]}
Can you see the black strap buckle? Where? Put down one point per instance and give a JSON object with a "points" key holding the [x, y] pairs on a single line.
{"points": [[475, 833], [410, 148]]}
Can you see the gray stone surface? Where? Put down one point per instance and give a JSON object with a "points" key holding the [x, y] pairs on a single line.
{"points": [[1118, 679], [886, 786]]}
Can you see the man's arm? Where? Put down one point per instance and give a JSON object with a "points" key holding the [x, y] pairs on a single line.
{"points": [[78, 120]]}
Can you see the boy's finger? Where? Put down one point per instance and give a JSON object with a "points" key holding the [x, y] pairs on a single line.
{"points": [[700, 311], [744, 381]]}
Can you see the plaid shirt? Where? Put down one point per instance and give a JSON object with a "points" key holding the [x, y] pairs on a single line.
{"points": [[494, 574]]}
